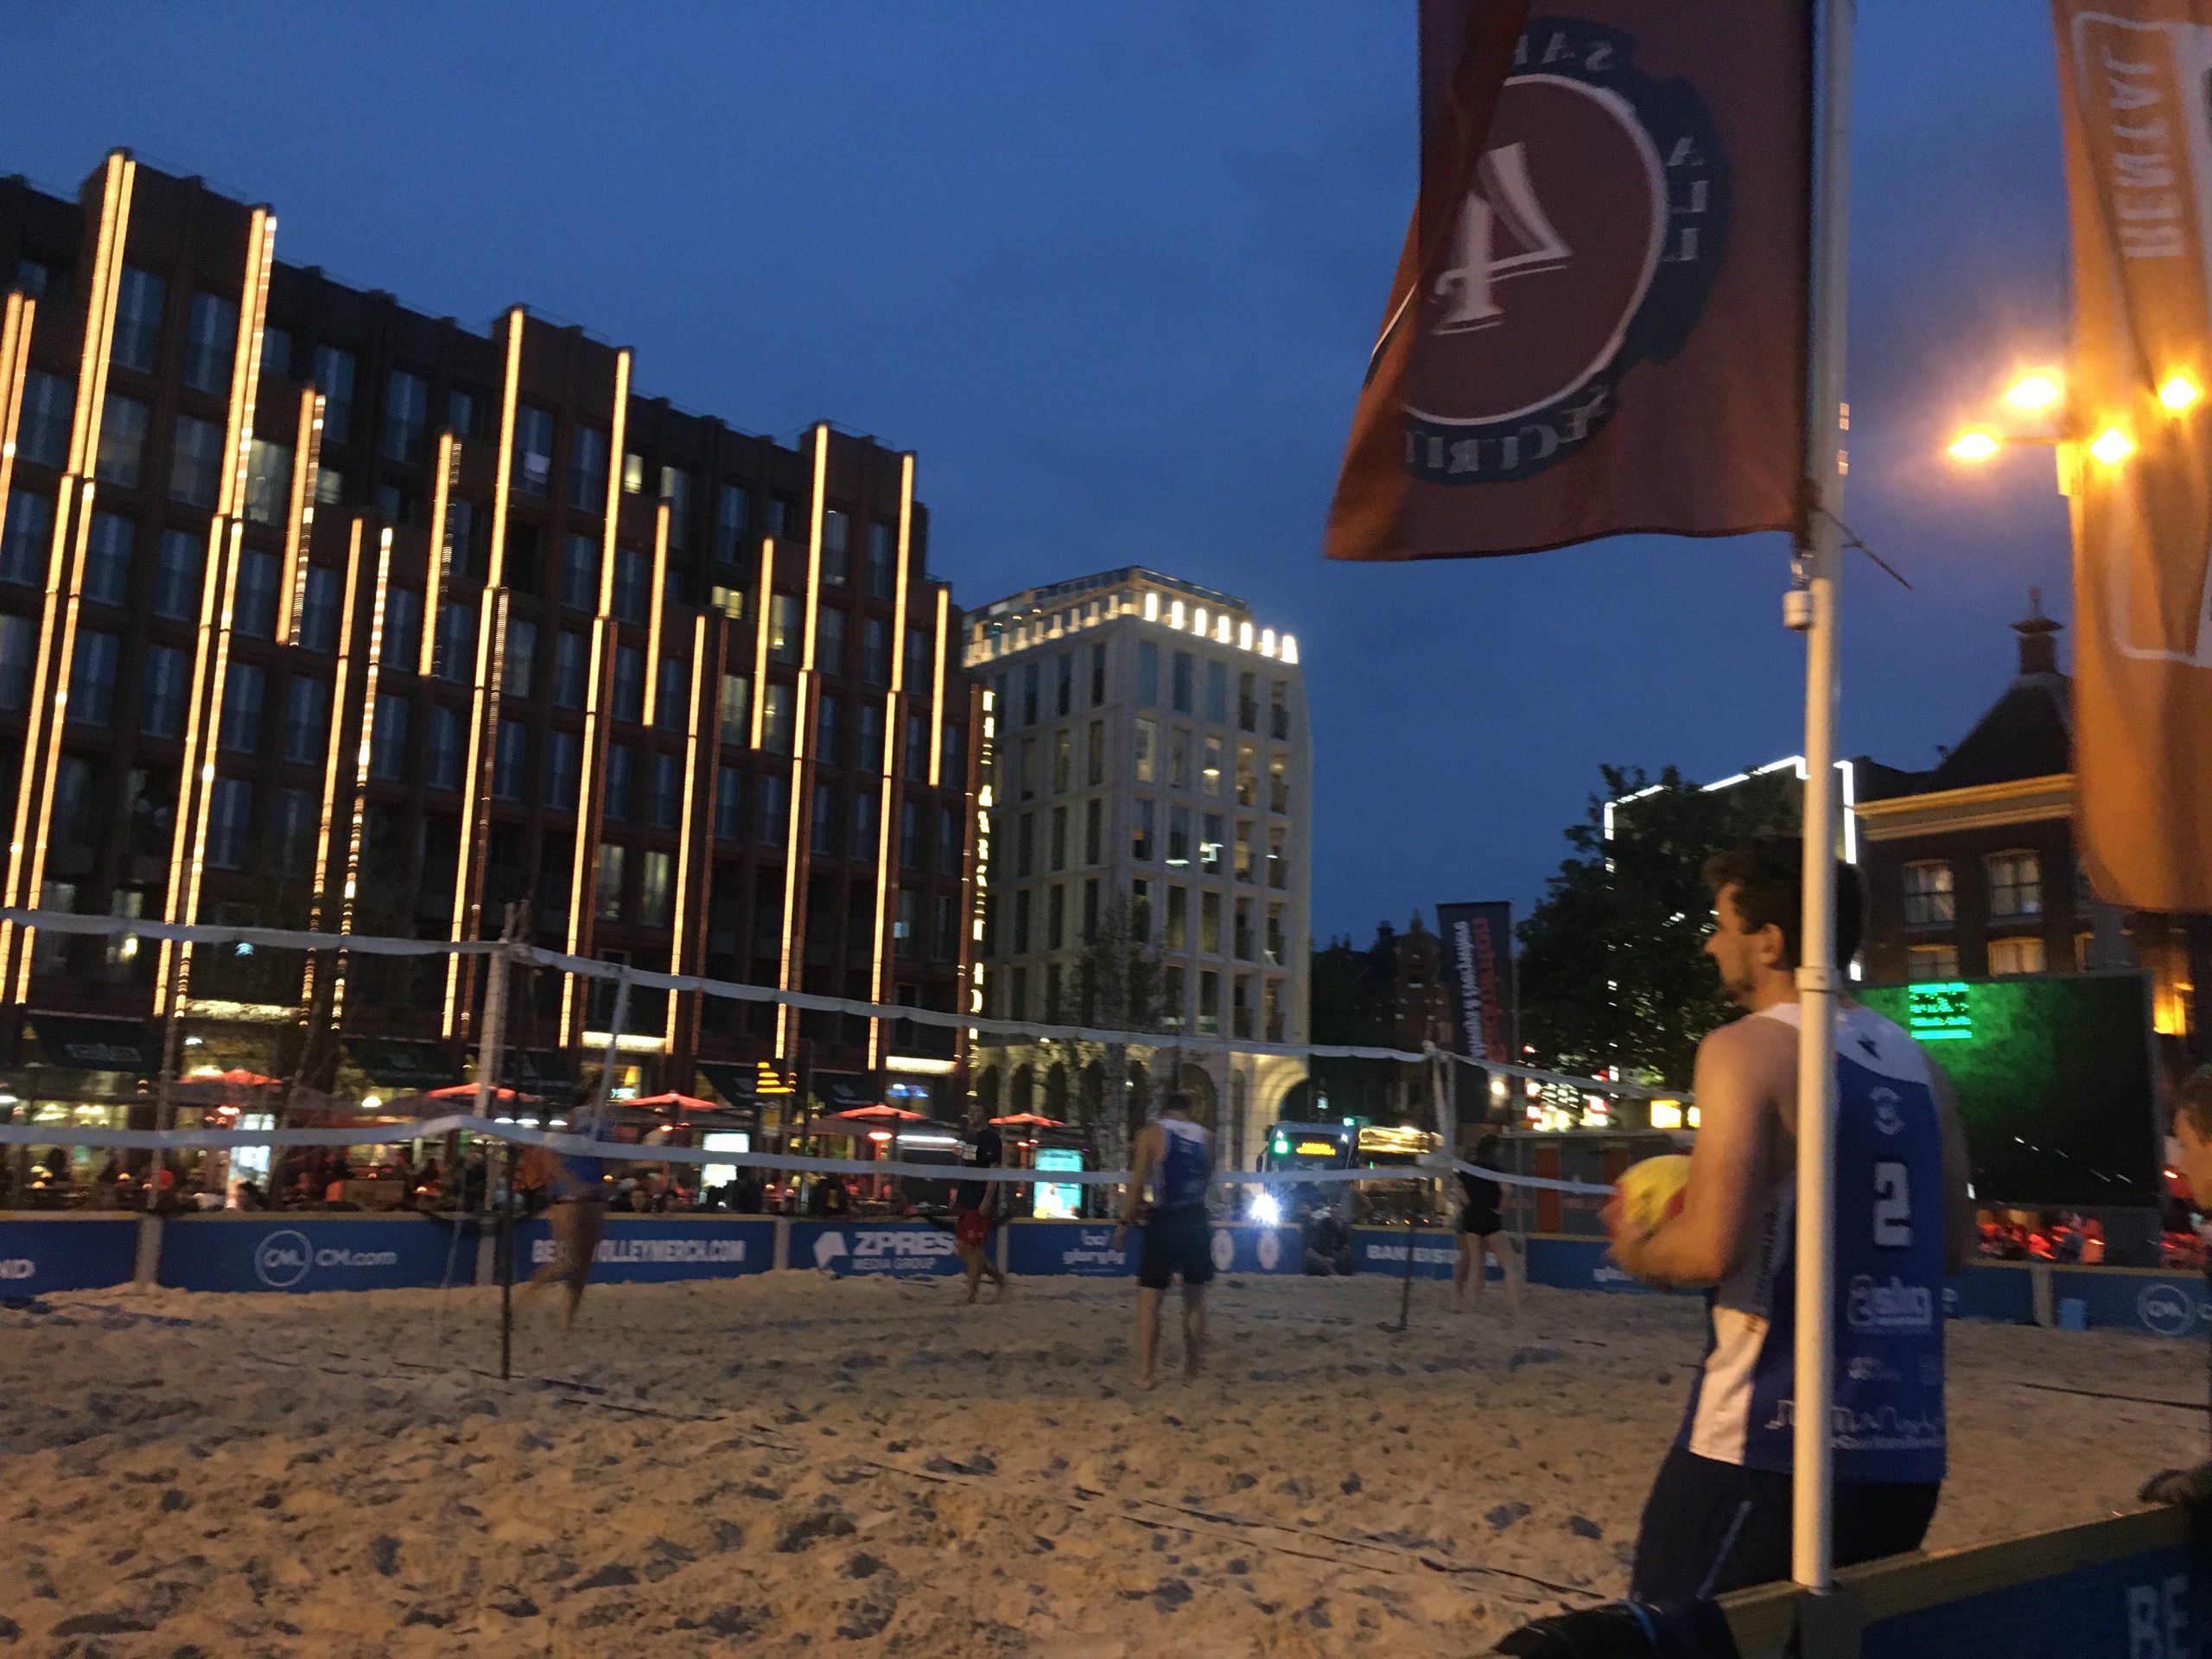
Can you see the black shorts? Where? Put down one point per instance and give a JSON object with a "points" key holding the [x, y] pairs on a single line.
{"points": [[1710, 1528], [1481, 1223], [1177, 1242]]}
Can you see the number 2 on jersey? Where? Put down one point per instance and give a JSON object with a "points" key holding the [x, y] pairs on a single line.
{"points": [[1893, 1205]]}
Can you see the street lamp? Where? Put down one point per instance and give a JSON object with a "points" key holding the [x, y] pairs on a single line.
{"points": [[2044, 391]]}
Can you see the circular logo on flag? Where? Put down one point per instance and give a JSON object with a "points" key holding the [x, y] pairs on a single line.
{"points": [[1270, 1249], [1223, 1249], [1589, 242]]}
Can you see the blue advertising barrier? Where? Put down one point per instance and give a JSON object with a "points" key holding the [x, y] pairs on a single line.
{"points": [[1085, 1248], [905, 1249], [2134, 1299], [1991, 1291], [67, 1253], [646, 1249], [1383, 1250], [1581, 1264], [313, 1252]]}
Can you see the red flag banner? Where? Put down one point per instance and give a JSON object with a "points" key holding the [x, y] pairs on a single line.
{"points": [[1599, 321], [2134, 77]]}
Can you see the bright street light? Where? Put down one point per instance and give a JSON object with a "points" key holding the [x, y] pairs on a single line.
{"points": [[1976, 445], [2180, 392], [2111, 446], [2035, 391]]}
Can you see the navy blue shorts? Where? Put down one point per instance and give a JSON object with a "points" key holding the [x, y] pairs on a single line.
{"points": [[1177, 1242]]}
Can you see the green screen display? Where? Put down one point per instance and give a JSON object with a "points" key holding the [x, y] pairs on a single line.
{"points": [[2054, 1080]]}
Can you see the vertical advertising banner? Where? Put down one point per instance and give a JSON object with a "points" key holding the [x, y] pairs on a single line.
{"points": [[2133, 75], [1599, 324], [1478, 946]]}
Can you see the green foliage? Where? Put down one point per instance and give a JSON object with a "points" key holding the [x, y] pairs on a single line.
{"points": [[1612, 966], [1354, 993]]}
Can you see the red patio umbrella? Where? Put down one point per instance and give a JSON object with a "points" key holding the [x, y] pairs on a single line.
{"points": [[1026, 1120], [467, 1091]]}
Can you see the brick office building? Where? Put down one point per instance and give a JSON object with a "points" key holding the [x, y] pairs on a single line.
{"points": [[1970, 870], [315, 610]]}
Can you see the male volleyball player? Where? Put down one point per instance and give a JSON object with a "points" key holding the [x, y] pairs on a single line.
{"points": [[1175, 1156], [1718, 1515], [2193, 1137], [974, 1214], [578, 1218]]}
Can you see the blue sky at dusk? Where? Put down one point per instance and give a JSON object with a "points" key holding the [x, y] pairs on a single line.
{"points": [[1113, 272]]}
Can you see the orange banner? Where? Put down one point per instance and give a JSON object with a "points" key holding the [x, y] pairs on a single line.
{"points": [[2134, 76], [1598, 322]]}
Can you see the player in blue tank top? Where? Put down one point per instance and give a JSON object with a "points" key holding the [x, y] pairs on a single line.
{"points": [[1718, 1515], [1175, 1157]]}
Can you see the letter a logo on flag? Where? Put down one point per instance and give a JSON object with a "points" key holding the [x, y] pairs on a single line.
{"points": [[1599, 324]]}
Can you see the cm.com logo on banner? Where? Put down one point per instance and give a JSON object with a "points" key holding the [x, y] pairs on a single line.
{"points": [[283, 1258]]}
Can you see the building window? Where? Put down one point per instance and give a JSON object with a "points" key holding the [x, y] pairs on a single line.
{"points": [[1056, 917], [295, 821], [176, 576], [829, 731], [16, 652], [822, 833], [1062, 760], [333, 378], [563, 768], [161, 706], [836, 546], [580, 569], [92, 679], [107, 565], [882, 561], [123, 442], [568, 670], [1208, 1002], [784, 621], [28, 540], [329, 485], [1094, 831], [388, 749], [676, 490], [521, 656], [910, 836], [668, 791], [1924, 962], [1217, 693], [1930, 899], [406, 411], [42, 425], [775, 809], [606, 890], [1244, 852], [1178, 836], [319, 613], [1210, 924], [2015, 887], [510, 754], [656, 881], [729, 804], [733, 510], [403, 627], [614, 801], [736, 708], [629, 683], [1184, 670], [1278, 858], [777, 700], [533, 473], [254, 607], [243, 689], [275, 354], [2022, 956], [230, 821], [268, 481], [444, 757], [1147, 674], [875, 651], [1209, 847], [137, 340], [210, 335], [1210, 774], [829, 641], [1278, 785], [1059, 839], [587, 468], [455, 647], [1179, 758], [671, 707]]}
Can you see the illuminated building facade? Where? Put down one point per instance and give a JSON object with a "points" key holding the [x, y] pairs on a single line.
{"points": [[1150, 801], [319, 612]]}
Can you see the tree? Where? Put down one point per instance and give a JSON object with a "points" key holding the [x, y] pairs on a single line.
{"points": [[1114, 985], [1354, 1004], [1613, 965]]}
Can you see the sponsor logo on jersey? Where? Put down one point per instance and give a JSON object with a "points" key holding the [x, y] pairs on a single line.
{"points": [[1893, 1305]]}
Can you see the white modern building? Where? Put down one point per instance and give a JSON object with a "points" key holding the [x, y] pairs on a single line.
{"points": [[1148, 796]]}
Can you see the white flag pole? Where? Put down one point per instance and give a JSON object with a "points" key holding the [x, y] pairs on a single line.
{"points": [[1812, 608]]}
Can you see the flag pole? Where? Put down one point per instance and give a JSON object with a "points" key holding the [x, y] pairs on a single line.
{"points": [[1811, 608]]}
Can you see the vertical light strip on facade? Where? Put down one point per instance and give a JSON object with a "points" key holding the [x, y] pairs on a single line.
{"points": [[17, 355], [484, 704], [936, 687], [48, 708], [371, 670], [690, 778], [438, 569], [895, 758], [201, 772], [14, 359], [298, 522], [226, 539], [652, 624], [760, 652], [588, 774], [795, 849], [336, 751]]}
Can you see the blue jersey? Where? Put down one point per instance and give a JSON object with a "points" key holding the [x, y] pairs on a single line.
{"points": [[1887, 1290], [1185, 1165]]}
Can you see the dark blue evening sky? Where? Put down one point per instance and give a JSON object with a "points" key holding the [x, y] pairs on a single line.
{"points": [[1112, 271]]}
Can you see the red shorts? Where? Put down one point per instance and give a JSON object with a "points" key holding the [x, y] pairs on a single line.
{"points": [[970, 1227]]}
